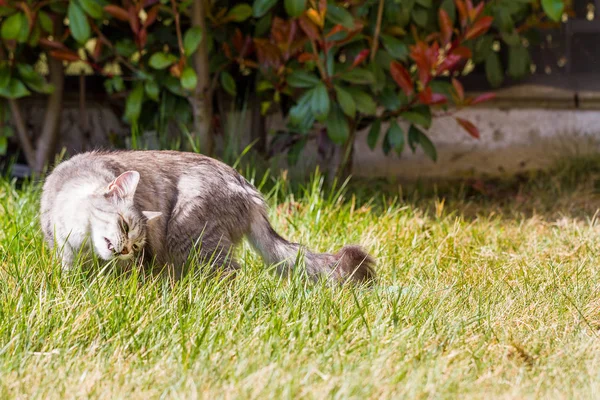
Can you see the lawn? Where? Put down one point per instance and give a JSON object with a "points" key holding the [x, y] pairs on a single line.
{"points": [[493, 295]]}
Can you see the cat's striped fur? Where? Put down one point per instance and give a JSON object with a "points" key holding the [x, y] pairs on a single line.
{"points": [[173, 201]]}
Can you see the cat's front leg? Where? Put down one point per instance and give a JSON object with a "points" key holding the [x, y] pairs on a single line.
{"points": [[67, 258]]}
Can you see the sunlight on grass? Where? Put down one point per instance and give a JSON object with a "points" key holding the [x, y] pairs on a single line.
{"points": [[477, 296]]}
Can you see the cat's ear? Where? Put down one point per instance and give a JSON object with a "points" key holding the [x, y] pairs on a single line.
{"points": [[123, 187], [150, 215]]}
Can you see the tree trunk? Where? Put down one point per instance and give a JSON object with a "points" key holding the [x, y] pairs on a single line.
{"points": [[46, 143], [258, 132], [22, 134], [202, 99]]}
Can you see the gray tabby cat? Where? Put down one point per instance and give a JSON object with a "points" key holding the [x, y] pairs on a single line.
{"points": [[162, 204]]}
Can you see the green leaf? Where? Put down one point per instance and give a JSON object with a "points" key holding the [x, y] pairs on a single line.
{"points": [[4, 76], [553, 8], [125, 47], [518, 61], [493, 70], [294, 8], [420, 16], [133, 106], [261, 7], [239, 12], [80, 28], [374, 134], [173, 85], [339, 16], [14, 90], [426, 144], [162, 60], [511, 39], [33, 80], [189, 80], [417, 137], [302, 79], [11, 27], [320, 104], [413, 138], [424, 3], [338, 128], [358, 76], [302, 108], [364, 102], [483, 48], [263, 25], [345, 101], [390, 99], [395, 47], [395, 137], [46, 22], [8, 131], [228, 83], [152, 90], [420, 115], [24, 32], [3, 145], [191, 40], [91, 8]]}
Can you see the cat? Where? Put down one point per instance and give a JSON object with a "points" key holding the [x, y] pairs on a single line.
{"points": [[161, 205]]}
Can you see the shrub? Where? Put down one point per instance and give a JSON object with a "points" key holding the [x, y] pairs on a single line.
{"points": [[329, 67]]}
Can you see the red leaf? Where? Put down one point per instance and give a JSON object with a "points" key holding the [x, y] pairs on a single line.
{"points": [[462, 12], [304, 57], [448, 64], [460, 91], [142, 38], [360, 57], [476, 12], [479, 28], [309, 28], [445, 26], [469, 127], [469, 4], [226, 50], [134, 21], [52, 44], [97, 50], [117, 12], [402, 77], [152, 15], [64, 55], [463, 52], [238, 40], [483, 97], [334, 30], [425, 57], [437, 98], [427, 97]]}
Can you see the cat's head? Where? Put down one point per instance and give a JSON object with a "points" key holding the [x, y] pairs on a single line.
{"points": [[118, 228]]}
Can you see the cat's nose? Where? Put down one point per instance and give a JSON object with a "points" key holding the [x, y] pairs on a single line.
{"points": [[125, 251]]}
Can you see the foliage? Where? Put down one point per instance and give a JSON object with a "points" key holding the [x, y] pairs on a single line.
{"points": [[338, 65]]}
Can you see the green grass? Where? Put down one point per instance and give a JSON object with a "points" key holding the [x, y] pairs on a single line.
{"points": [[479, 296]]}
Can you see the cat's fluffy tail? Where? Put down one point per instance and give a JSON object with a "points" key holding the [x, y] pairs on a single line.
{"points": [[351, 263]]}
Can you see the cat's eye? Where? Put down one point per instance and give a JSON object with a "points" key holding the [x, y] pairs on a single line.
{"points": [[124, 226]]}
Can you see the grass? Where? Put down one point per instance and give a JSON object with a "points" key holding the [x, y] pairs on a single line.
{"points": [[479, 296]]}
